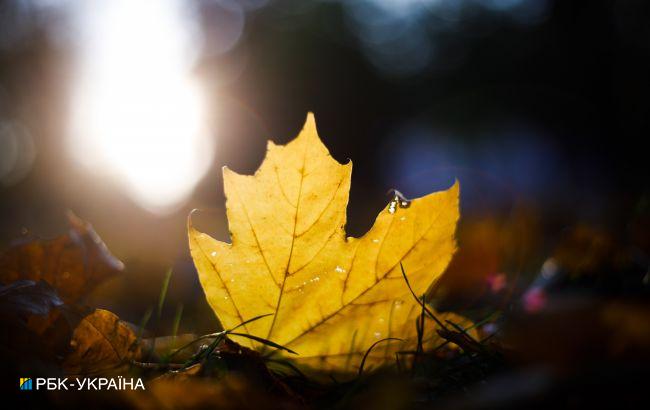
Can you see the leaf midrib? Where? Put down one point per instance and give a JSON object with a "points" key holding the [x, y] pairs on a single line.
{"points": [[293, 240]]}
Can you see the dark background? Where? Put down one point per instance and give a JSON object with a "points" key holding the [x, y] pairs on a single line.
{"points": [[539, 108]]}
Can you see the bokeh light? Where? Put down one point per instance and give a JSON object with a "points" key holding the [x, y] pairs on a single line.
{"points": [[137, 113], [398, 38], [17, 152]]}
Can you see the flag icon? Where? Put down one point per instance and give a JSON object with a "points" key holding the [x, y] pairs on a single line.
{"points": [[25, 383]]}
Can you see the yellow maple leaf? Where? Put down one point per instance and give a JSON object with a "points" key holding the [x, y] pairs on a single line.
{"points": [[331, 297]]}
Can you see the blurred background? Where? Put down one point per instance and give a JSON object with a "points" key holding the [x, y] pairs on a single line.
{"points": [[124, 112]]}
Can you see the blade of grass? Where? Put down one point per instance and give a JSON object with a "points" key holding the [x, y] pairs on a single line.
{"points": [[244, 323], [212, 345], [186, 345], [215, 335], [177, 321], [263, 341], [143, 325], [431, 315], [143, 322], [163, 291], [461, 330], [473, 326], [365, 356], [420, 330], [203, 354], [289, 365]]}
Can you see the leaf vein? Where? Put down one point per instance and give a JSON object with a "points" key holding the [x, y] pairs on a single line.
{"points": [[338, 311]]}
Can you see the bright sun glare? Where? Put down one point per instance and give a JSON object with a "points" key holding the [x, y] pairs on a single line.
{"points": [[137, 114]]}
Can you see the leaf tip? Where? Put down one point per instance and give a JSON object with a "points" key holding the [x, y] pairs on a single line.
{"points": [[309, 129], [190, 226], [311, 119], [455, 188]]}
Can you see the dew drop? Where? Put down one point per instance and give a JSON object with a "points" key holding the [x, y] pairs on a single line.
{"points": [[214, 253], [398, 201], [403, 218], [375, 240], [392, 207], [377, 335], [339, 269]]}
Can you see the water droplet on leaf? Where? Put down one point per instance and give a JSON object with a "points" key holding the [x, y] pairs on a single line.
{"points": [[398, 201]]}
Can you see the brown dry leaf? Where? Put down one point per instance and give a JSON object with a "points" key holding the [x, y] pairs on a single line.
{"points": [[28, 311], [74, 264], [331, 297], [235, 377], [23, 299], [101, 344]]}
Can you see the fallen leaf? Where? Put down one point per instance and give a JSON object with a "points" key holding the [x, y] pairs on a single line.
{"points": [[231, 359], [233, 377], [23, 298], [332, 297], [74, 264], [101, 344], [27, 311]]}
